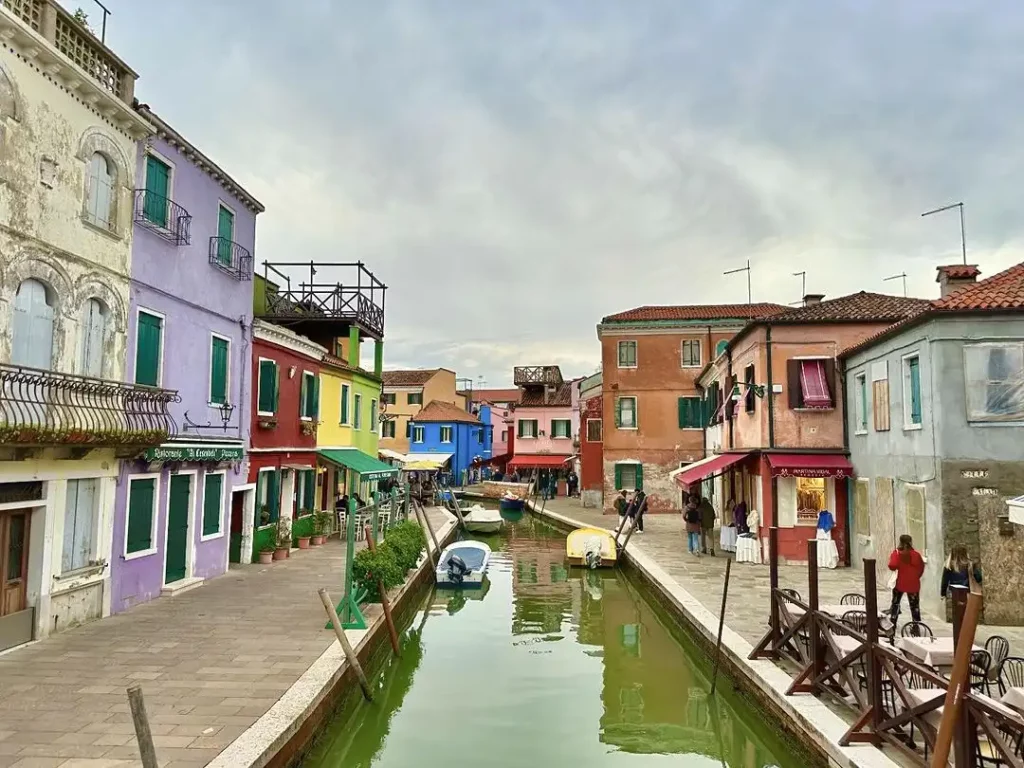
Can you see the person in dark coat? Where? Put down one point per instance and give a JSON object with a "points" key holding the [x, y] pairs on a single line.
{"points": [[637, 509], [959, 571], [691, 514], [909, 567], [707, 524]]}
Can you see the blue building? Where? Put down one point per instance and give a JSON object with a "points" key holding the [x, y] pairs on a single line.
{"points": [[445, 433]]}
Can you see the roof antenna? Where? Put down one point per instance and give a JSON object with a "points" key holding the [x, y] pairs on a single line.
{"points": [[803, 288], [897, 277], [747, 270], [963, 236]]}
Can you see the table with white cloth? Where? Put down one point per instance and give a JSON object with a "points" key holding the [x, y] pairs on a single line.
{"points": [[828, 553], [727, 541], [748, 550], [832, 609], [934, 651], [1014, 697]]}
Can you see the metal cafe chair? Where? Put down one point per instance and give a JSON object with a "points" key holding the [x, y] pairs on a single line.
{"points": [[852, 598], [916, 629]]}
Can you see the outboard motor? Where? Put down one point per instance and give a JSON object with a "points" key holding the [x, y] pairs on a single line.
{"points": [[457, 569], [592, 552]]}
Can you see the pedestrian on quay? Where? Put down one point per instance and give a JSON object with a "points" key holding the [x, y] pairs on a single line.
{"points": [[707, 524], [637, 509], [691, 514], [959, 571], [620, 508], [739, 514], [907, 566], [573, 482]]}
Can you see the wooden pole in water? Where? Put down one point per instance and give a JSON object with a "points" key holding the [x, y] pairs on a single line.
{"points": [[385, 602], [143, 735], [346, 646], [633, 527], [959, 680], [430, 530], [721, 625]]}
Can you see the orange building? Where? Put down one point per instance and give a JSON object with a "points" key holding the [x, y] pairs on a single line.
{"points": [[784, 454], [652, 418]]}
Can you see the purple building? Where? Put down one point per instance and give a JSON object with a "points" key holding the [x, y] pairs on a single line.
{"points": [[189, 330]]}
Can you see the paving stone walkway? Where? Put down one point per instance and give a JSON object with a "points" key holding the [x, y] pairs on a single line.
{"points": [[211, 662]]}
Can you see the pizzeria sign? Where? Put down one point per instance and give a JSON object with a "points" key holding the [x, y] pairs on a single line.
{"points": [[195, 453]]}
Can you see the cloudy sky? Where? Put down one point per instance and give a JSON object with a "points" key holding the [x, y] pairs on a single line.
{"points": [[516, 170]]}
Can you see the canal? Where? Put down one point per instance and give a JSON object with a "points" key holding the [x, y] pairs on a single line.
{"points": [[547, 666]]}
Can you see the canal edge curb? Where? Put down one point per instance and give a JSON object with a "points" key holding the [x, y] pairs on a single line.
{"points": [[271, 739], [818, 728]]}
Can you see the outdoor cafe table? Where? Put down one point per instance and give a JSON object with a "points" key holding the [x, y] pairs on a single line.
{"points": [[934, 651], [832, 609], [1014, 697]]}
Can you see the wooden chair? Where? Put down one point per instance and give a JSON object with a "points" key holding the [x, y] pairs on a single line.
{"points": [[916, 629]]}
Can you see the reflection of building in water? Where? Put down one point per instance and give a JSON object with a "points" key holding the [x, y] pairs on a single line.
{"points": [[541, 593]]}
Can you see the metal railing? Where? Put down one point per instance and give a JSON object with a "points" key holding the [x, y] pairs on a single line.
{"points": [[163, 217], [228, 256], [39, 407], [525, 375]]}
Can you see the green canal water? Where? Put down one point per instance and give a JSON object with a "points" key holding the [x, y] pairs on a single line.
{"points": [[547, 666]]}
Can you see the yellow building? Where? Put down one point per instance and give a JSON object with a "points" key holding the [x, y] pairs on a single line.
{"points": [[405, 394]]}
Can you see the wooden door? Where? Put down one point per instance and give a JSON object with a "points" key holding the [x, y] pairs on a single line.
{"points": [[13, 561], [177, 528]]}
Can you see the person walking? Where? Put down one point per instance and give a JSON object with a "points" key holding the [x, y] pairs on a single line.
{"points": [[572, 481], [620, 508], [959, 571], [692, 517], [707, 525], [636, 510], [908, 566]]}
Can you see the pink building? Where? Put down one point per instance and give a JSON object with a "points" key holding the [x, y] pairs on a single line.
{"points": [[503, 403], [546, 424]]}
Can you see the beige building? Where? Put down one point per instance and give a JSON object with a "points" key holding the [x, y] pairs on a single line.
{"points": [[405, 394]]}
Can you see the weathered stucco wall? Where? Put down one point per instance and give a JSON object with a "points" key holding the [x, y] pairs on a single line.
{"points": [[1002, 562]]}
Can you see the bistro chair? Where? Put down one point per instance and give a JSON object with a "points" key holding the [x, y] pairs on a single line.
{"points": [[980, 663], [342, 517], [998, 648], [916, 629], [792, 593], [1011, 674], [857, 621], [852, 598]]}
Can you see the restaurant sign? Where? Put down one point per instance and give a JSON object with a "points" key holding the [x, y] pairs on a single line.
{"points": [[195, 453]]}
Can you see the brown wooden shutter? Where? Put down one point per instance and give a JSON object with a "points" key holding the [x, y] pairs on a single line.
{"points": [[830, 379], [794, 393], [880, 404]]}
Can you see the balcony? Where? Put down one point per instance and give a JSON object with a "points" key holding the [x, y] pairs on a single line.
{"points": [[230, 257], [163, 217], [537, 375], [41, 408], [347, 295]]}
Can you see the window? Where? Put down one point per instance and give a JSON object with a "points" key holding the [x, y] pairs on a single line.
{"points": [[373, 414], [811, 383], [408, 430], [388, 398], [388, 429], [625, 415], [446, 434], [627, 354], [749, 397], [414, 398], [309, 397], [527, 428], [149, 342], [32, 326], [344, 404], [911, 391], [810, 499], [594, 430], [690, 354], [504, 435], [994, 376], [561, 428], [305, 493], [915, 503], [861, 508], [860, 405], [691, 413], [268, 496], [266, 399], [880, 404], [225, 233], [720, 347], [158, 191], [100, 192], [218, 370], [79, 524], [94, 335], [417, 434], [139, 536], [213, 503], [629, 476], [480, 436], [357, 407]]}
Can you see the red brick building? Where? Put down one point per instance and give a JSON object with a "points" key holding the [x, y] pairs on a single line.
{"points": [[591, 442]]}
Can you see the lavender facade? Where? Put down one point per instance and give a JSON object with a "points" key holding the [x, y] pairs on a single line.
{"points": [[189, 330]]}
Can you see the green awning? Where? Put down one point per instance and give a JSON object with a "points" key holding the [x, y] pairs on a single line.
{"points": [[367, 467]]}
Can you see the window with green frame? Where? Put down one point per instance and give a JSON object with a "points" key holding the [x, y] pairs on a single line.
{"points": [[213, 501], [357, 407], [158, 191], [225, 233], [309, 397], [141, 509], [268, 496], [307, 491], [218, 370], [912, 404], [149, 338], [691, 413], [629, 476], [561, 428], [344, 404], [267, 394], [627, 354], [625, 413]]}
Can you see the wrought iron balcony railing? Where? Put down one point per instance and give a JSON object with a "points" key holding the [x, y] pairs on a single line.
{"points": [[40, 408], [231, 257], [162, 216], [537, 375]]}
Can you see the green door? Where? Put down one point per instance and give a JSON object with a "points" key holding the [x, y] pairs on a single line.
{"points": [[158, 184], [226, 234], [177, 528]]}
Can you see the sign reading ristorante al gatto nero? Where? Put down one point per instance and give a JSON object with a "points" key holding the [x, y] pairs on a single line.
{"points": [[195, 453]]}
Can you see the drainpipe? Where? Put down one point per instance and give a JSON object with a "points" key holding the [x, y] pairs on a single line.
{"points": [[727, 395]]}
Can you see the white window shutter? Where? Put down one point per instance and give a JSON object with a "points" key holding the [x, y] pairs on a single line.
{"points": [[93, 338], [32, 327]]}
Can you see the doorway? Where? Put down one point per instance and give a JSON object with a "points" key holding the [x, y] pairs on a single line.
{"points": [[13, 561], [176, 548], [243, 520]]}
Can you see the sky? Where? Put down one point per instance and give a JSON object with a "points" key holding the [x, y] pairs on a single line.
{"points": [[515, 171]]}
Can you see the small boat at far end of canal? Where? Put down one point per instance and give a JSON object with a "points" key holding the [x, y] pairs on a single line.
{"points": [[591, 547], [463, 564], [480, 519], [511, 503]]}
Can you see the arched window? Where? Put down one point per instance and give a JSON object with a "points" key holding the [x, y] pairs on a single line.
{"points": [[32, 326], [94, 334], [720, 347], [99, 191]]}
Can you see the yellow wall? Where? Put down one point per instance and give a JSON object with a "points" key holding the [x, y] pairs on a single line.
{"points": [[332, 433], [441, 386]]}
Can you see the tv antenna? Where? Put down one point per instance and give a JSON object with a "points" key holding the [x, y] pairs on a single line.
{"points": [[963, 236], [897, 277], [803, 287], [743, 269]]}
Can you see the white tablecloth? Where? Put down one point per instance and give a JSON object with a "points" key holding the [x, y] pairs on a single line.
{"points": [[727, 541], [748, 550], [1014, 697], [935, 651], [828, 554]]}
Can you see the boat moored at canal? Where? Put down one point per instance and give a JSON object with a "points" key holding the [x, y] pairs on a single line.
{"points": [[463, 564], [480, 519], [591, 547]]}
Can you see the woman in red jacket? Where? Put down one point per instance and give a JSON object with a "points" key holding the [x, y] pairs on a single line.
{"points": [[909, 566]]}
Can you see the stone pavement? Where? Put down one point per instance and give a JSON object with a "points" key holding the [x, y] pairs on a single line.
{"points": [[746, 612], [211, 662]]}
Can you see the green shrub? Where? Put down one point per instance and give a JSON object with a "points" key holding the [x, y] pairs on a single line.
{"points": [[369, 567], [407, 540]]}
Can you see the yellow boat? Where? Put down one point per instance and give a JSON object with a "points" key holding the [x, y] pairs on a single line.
{"points": [[591, 547]]}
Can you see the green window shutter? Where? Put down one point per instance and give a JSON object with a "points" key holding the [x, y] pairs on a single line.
{"points": [[308, 489], [274, 495], [226, 234], [260, 482], [519, 428], [140, 515], [618, 412], [863, 403], [639, 477], [213, 497], [277, 387], [148, 340], [344, 404], [915, 391], [267, 387], [618, 477], [683, 407], [316, 398], [303, 396], [357, 406], [218, 371], [158, 183]]}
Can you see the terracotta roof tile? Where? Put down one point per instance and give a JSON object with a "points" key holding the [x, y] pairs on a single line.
{"points": [[857, 307], [534, 397], [957, 272], [439, 411], [494, 395], [415, 378], [696, 312], [1002, 291]]}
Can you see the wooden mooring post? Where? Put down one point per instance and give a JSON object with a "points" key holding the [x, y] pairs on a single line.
{"points": [[346, 646], [721, 626], [424, 521], [954, 719], [140, 720], [385, 601]]}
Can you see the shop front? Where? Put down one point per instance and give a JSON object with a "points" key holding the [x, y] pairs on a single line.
{"points": [[348, 472], [284, 488]]}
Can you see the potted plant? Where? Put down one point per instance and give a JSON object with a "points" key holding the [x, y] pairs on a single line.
{"points": [[304, 540], [309, 428], [264, 515], [267, 551], [284, 539], [322, 521]]}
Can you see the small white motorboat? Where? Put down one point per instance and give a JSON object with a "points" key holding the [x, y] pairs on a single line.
{"points": [[463, 564], [480, 519]]}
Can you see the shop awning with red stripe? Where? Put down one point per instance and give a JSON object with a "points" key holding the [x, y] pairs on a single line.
{"points": [[810, 465], [539, 461], [706, 468]]}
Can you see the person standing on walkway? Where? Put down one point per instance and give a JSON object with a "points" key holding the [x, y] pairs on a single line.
{"points": [[636, 510], [707, 525], [692, 517], [620, 508], [572, 481], [908, 567], [739, 513], [959, 571]]}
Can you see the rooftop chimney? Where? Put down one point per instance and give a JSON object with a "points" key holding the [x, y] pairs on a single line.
{"points": [[956, 277], [813, 298]]}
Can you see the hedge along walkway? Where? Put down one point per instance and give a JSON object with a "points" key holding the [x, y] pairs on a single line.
{"points": [[211, 662]]}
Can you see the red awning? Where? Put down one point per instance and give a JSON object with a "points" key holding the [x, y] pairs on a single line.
{"points": [[705, 469], [810, 465], [540, 461]]}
